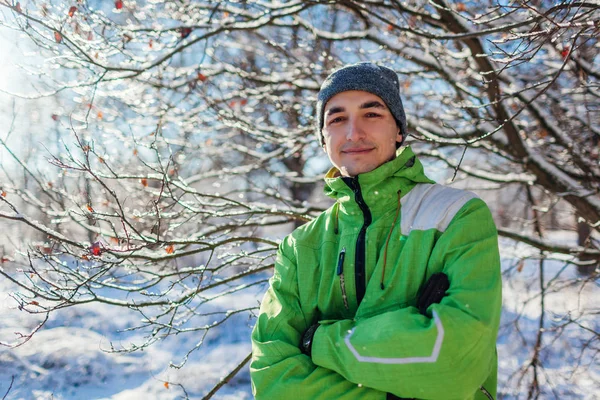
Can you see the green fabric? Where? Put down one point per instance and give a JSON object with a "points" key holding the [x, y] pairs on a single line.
{"points": [[388, 333]]}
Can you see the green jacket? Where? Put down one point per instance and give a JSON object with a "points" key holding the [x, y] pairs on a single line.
{"points": [[373, 340]]}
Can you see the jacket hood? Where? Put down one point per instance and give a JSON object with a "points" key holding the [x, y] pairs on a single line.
{"points": [[381, 185]]}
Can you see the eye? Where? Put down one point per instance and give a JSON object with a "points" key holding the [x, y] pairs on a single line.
{"points": [[372, 115], [335, 120]]}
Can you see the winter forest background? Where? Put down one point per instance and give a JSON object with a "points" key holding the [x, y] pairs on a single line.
{"points": [[153, 154]]}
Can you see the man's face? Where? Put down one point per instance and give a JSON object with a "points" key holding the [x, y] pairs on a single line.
{"points": [[360, 132]]}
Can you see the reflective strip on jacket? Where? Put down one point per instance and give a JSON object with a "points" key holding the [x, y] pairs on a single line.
{"points": [[380, 343]]}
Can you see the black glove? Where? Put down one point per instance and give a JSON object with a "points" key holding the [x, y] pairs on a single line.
{"points": [[307, 338], [433, 291]]}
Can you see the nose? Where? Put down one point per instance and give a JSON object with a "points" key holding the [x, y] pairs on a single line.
{"points": [[354, 131]]}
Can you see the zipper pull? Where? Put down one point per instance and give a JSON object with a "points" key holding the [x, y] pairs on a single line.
{"points": [[340, 272], [340, 265]]}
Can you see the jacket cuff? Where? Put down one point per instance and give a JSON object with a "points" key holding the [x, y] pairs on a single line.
{"points": [[317, 350], [325, 350]]}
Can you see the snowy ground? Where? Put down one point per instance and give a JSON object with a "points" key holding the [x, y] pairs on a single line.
{"points": [[67, 359]]}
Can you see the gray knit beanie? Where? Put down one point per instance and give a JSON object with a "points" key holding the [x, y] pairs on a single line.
{"points": [[368, 77]]}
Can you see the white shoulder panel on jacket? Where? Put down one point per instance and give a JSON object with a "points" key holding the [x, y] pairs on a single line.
{"points": [[429, 206]]}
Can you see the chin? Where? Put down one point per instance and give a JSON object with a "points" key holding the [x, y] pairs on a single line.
{"points": [[357, 171]]}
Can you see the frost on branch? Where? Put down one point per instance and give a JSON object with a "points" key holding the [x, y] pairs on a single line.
{"points": [[176, 148]]}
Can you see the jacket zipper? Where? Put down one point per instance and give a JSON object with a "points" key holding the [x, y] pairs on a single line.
{"points": [[360, 254]]}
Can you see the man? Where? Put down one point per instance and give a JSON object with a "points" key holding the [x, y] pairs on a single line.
{"points": [[352, 310]]}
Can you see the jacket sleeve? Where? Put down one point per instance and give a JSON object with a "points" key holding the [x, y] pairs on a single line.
{"points": [[278, 369], [448, 353]]}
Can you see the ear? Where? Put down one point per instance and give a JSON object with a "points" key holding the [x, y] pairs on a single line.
{"points": [[323, 146]]}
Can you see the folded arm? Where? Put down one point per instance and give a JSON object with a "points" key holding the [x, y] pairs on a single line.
{"points": [[278, 369], [447, 353]]}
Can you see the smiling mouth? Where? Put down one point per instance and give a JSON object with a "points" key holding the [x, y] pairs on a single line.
{"points": [[356, 151]]}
